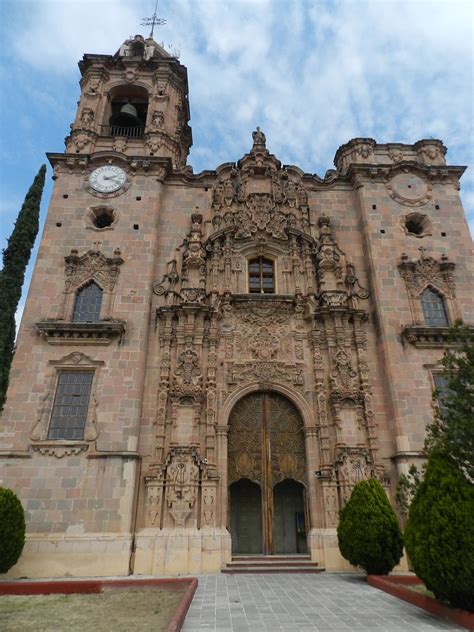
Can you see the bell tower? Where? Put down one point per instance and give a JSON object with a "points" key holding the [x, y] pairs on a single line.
{"points": [[134, 102]]}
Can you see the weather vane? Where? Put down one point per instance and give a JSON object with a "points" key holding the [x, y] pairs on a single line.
{"points": [[153, 20]]}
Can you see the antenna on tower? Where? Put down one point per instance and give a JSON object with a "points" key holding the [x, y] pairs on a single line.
{"points": [[154, 19]]}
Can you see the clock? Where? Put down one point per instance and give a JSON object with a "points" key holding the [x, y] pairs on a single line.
{"points": [[107, 179]]}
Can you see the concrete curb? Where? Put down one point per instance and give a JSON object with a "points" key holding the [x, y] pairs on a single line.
{"points": [[394, 585]]}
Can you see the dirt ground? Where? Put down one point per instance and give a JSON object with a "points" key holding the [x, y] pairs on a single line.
{"points": [[114, 610]]}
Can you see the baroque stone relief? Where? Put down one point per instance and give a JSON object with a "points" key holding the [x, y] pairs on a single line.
{"points": [[187, 377], [258, 196], [93, 265], [408, 187], [179, 483], [417, 274]]}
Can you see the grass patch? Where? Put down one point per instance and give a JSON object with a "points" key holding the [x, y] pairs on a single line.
{"points": [[118, 609], [421, 589]]}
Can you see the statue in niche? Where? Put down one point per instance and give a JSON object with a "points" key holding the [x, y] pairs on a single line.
{"points": [[182, 480], [157, 119], [87, 118]]}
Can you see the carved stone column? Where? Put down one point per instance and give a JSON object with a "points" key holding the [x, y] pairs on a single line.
{"points": [[221, 436], [331, 503], [312, 464], [209, 502]]}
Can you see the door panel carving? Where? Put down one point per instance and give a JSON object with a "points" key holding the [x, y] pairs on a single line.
{"points": [[245, 439]]}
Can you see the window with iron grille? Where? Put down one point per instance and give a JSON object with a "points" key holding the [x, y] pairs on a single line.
{"points": [[434, 309], [71, 402], [88, 303], [442, 392], [261, 276]]}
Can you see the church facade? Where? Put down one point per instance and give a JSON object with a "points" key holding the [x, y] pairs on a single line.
{"points": [[208, 363]]}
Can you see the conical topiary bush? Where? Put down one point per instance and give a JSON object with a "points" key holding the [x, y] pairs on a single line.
{"points": [[12, 529], [368, 533], [440, 532]]}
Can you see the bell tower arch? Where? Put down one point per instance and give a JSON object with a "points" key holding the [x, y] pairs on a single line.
{"points": [[134, 102]]}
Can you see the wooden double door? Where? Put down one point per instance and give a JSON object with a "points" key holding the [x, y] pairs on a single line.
{"points": [[266, 473]]}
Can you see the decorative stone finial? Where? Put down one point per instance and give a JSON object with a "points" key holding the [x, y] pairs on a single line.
{"points": [[324, 220]]}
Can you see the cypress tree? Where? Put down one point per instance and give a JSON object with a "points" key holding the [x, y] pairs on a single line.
{"points": [[368, 532], [452, 431], [15, 259], [439, 535]]}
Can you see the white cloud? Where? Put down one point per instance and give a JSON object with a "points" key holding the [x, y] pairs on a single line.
{"points": [[311, 74]]}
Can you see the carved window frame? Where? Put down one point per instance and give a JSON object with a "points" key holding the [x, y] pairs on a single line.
{"points": [[262, 258], [439, 277], [64, 428], [91, 213], [80, 271], [422, 220], [40, 440]]}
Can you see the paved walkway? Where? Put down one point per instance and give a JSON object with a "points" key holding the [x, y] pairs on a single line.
{"points": [[300, 603]]}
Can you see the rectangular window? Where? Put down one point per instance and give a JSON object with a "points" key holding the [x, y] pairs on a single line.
{"points": [[261, 276], [68, 419]]}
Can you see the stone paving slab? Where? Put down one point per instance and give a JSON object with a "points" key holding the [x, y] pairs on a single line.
{"points": [[302, 603]]}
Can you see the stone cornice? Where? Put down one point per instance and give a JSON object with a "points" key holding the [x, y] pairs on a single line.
{"points": [[64, 333], [148, 164], [428, 337], [381, 172]]}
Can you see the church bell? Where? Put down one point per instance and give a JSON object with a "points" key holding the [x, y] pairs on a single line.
{"points": [[130, 112]]}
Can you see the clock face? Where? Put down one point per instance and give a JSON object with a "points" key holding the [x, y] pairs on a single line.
{"points": [[107, 179]]}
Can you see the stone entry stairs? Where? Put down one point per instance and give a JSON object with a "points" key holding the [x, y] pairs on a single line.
{"points": [[272, 564]]}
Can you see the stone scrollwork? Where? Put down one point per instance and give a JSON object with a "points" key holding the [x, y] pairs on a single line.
{"points": [[93, 265], [264, 345], [266, 372], [428, 272]]}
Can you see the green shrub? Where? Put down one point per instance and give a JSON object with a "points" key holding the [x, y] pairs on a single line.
{"points": [[440, 532], [368, 533], [12, 529]]}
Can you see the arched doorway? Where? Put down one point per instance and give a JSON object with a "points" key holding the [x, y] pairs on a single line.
{"points": [[289, 530], [266, 473], [246, 516]]}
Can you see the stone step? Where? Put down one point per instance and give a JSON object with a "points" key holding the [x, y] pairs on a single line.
{"points": [[272, 564], [276, 558], [235, 570], [301, 563]]}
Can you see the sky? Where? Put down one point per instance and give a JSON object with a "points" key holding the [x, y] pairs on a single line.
{"points": [[312, 74]]}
